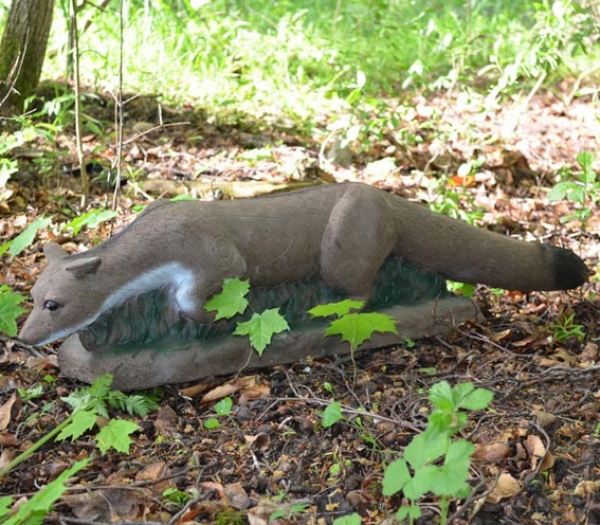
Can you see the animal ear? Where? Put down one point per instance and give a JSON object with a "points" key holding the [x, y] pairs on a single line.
{"points": [[54, 252], [85, 266]]}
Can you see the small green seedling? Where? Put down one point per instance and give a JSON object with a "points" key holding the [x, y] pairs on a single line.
{"points": [[262, 327], [444, 196], [565, 327], [332, 414], [464, 289], [88, 403], [433, 462], [328, 387], [28, 394], [354, 327], [223, 409], [176, 496], [584, 192]]}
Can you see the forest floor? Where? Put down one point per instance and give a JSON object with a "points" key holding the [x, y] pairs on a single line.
{"points": [[538, 352]]}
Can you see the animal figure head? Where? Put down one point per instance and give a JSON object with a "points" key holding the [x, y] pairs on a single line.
{"points": [[66, 297]]}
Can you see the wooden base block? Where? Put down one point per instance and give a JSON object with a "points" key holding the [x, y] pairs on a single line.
{"points": [[138, 367]]}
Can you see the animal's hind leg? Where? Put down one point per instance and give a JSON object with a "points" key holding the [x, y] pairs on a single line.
{"points": [[360, 234]]}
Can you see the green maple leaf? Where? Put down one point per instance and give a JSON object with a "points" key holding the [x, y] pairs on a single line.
{"points": [[357, 328], [261, 328], [338, 309], [83, 420], [116, 435], [231, 300]]}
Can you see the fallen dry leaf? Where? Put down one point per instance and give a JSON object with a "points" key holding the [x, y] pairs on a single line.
{"points": [[107, 505], [560, 357], [535, 448], [261, 441], [230, 388], [493, 453], [237, 496], [167, 420], [6, 410], [155, 472], [213, 487], [6, 456], [255, 392], [547, 462], [587, 487], [589, 353], [220, 392], [8, 439], [544, 419], [506, 487]]}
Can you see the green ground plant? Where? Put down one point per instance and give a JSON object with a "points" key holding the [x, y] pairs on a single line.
{"points": [[87, 404], [334, 413], [177, 497], [565, 328], [242, 57], [232, 301], [24, 132], [435, 461], [582, 189], [353, 327], [351, 519], [8, 143], [222, 409], [24, 240], [33, 511]]}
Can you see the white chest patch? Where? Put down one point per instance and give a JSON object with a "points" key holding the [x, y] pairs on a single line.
{"points": [[178, 279]]}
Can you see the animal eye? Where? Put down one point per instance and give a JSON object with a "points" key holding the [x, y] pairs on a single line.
{"points": [[51, 305]]}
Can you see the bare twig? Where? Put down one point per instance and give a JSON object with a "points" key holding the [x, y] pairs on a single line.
{"points": [[119, 113], [85, 183]]}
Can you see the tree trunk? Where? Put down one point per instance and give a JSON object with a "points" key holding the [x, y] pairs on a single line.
{"points": [[23, 48]]}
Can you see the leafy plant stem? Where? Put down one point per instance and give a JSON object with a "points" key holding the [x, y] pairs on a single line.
{"points": [[33, 448], [444, 505]]}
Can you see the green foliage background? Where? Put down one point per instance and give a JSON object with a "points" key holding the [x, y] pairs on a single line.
{"points": [[279, 55]]}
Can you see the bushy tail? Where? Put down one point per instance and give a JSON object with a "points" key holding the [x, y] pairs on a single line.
{"points": [[468, 254]]}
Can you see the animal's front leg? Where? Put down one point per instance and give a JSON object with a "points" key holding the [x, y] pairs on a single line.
{"points": [[190, 302], [211, 259]]}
